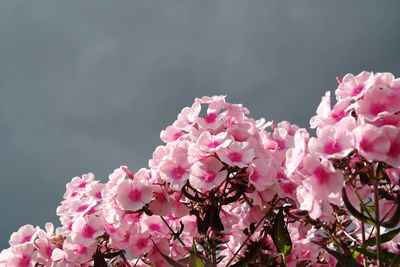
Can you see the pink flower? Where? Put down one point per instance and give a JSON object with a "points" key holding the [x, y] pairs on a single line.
{"points": [[393, 155], [25, 234], [326, 115], [133, 195], [77, 253], [86, 229], [78, 185], [155, 226], [123, 236], [142, 244], [170, 134], [212, 121], [4, 255], [159, 154], [44, 244], [238, 154], [332, 142], [176, 169], [378, 102], [187, 117], [211, 143], [262, 173], [371, 142], [355, 86], [21, 256], [295, 155], [309, 203], [207, 174], [240, 132], [160, 204], [322, 178]]}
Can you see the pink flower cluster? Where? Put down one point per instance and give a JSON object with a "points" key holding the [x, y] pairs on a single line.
{"points": [[221, 182], [363, 124]]}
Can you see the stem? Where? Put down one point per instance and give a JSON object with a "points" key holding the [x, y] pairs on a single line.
{"points": [[214, 255], [378, 234], [283, 259], [365, 259], [172, 231], [195, 190], [361, 201], [126, 262], [248, 237]]}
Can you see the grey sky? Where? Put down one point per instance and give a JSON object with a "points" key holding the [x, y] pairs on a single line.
{"points": [[88, 85]]}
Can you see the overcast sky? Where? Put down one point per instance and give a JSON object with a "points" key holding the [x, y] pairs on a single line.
{"points": [[89, 85]]}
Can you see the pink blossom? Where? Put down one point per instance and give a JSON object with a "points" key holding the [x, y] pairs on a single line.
{"points": [[123, 236], [159, 154], [210, 143], [187, 117], [154, 226], [295, 155], [176, 169], [44, 245], [355, 86], [78, 185], [371, 142], [238, 154], [86, 229], [393, 155], [207, 174], [240, 132], [378, 102], [133, 195], [160, 204], [141, 244], [21, 256], [322, 178], [316, 207], [25, 234], [327, 115], [332, 142], [170, 134], [4, 255], [262, 173], [76, 253]]}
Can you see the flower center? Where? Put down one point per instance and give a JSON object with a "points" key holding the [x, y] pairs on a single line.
{"points": [[88, 231], [208, 176], [177, 173], [332, 147], [235, 156], [135, 195]]}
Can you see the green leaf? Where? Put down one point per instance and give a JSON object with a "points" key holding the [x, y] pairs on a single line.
{"points": [[280, 234], [386, 237], [195, 260], [387, 257], [342, 259]]}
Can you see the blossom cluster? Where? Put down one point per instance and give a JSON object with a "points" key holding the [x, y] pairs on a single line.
{"points": [[226, 189], [363, 126]]}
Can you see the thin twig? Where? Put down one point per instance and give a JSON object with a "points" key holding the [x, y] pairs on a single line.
{"points": [[125, 260], [248, 237], [365, 259], [172, 231], [377, 222]]}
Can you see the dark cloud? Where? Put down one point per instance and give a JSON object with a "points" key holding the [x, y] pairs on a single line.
{"points": [[88, 85]]}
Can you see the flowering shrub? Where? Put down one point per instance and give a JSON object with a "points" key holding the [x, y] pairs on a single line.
{"points": [[228, 190]]}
